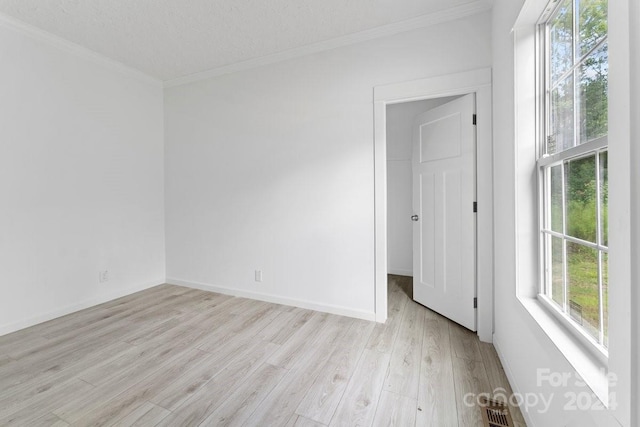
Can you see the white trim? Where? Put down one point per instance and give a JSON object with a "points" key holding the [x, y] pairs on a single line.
{"points": [[433, 87], [447, 15], [400, 272], [54, 314], [380, 209], [590, 367], [423, 21], [578, 332], [634, 134], [478, 82], [325, 308], [623, 218], [582, 150], [579, 356], [531, 12], [75, 49], [512, 379]]}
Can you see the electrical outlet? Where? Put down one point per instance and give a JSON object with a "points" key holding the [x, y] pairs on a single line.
{"points": [[258, 275], [103, 276]]}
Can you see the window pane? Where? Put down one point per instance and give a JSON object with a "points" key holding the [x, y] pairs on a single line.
{"points": [[604, 198], [582, 283], [561, 41], [555, 190], [580, 187], [575, 193], [592, 23], [562, 124], [593, 81], [605, 297], [556, 291]]}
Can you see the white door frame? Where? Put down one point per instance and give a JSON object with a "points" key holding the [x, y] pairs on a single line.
{"points": [[478, 82]]}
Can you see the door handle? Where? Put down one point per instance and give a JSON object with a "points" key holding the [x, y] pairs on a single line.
{"points": [[414, 217]]}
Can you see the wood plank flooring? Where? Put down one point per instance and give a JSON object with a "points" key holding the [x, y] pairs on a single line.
{"points": [[173, 356]]}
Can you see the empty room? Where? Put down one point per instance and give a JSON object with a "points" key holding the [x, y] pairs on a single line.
{"points": [[320, 213]]}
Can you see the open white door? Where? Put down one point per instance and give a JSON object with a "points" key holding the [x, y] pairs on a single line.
{"points": [[443, 202]]}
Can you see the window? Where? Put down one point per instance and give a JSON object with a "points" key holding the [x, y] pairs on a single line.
{"points": [[573, 167]]}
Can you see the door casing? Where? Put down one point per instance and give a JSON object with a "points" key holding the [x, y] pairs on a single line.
{"points": [[479, 83]]}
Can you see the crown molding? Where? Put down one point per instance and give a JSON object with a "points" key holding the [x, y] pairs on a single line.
{"points": [[447, 15], [75, 49], [423, 21]]}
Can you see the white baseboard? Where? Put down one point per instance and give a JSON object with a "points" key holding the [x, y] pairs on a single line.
{"points": [[511, 378], [25, 323], [325, 308], [400, 272]]}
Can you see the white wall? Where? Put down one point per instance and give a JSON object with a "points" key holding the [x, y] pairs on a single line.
{"points": [[81, 181], [272, 168], [522, 344], [400, 118], [634, 26]]}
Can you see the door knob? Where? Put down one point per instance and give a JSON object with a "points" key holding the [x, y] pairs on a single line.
{"points": [[414, 217]]}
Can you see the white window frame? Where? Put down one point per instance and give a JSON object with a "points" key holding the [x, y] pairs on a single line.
{"points": [[617, 394], [528, 131], [543, 164]]}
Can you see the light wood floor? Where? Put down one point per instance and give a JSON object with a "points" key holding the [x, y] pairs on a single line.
{"points": [[175, 356]]}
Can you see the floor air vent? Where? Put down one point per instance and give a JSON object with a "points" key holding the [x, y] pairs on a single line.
{"points": [[495, 414]]}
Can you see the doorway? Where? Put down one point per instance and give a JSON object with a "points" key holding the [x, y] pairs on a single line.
{"points": [[430, 192], [439, 90], [400, 122]]}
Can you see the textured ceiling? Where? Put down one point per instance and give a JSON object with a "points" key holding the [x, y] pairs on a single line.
{"points": [[168, 39]]}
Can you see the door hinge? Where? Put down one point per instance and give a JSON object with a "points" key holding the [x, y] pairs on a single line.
{"points": [[475, 119], [475, 303], [475, 207]]}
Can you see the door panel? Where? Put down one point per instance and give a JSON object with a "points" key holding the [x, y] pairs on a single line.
{"points": [[427, 231], [452, 239], [443, 196], [437, 141]]}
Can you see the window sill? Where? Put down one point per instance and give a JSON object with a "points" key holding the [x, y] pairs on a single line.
{"points": [[588, 366]]}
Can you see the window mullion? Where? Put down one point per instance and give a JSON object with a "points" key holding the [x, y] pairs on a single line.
{"points": [[546, 239], [599, 242], [580, 60], [572, 239], [547, 93], [565, 292], [577, 63], [574, 73]]}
